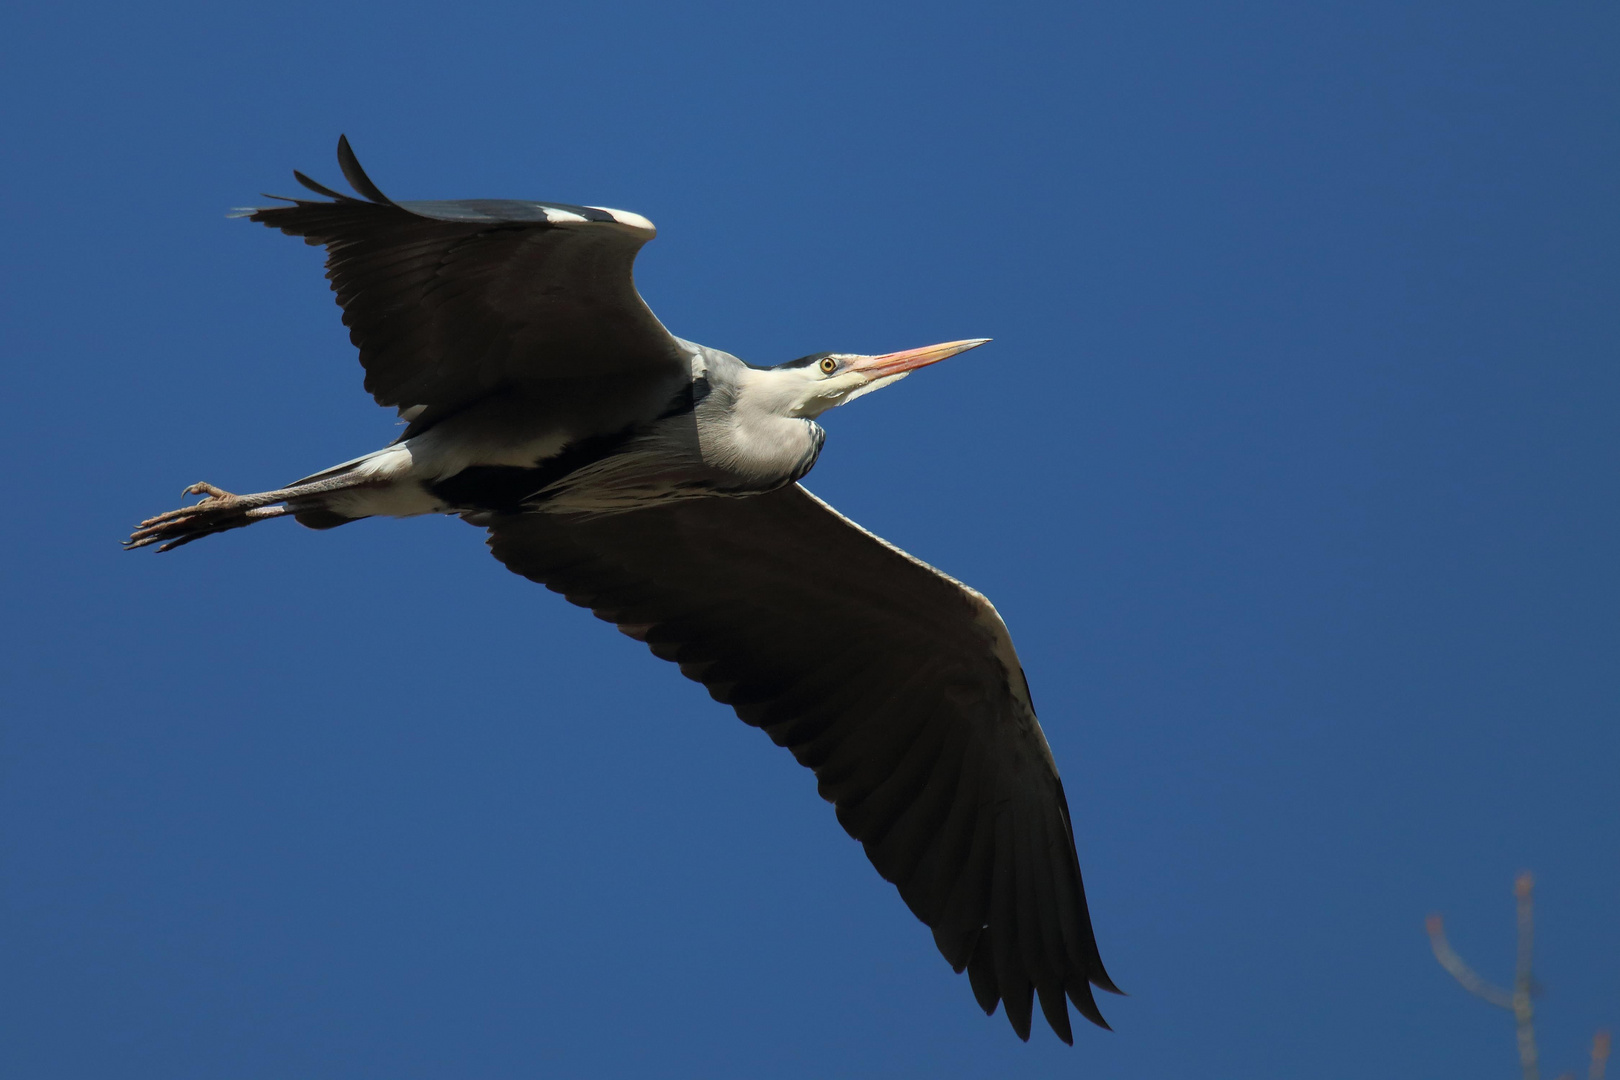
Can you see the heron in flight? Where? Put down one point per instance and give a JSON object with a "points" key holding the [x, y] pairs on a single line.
{"points": [[655, 482]]}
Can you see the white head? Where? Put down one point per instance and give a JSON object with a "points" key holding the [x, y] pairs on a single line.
{"points": [[809, 386]]}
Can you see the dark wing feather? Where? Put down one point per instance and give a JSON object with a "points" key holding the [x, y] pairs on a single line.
{"points": [[896, 684], [450, 301]]}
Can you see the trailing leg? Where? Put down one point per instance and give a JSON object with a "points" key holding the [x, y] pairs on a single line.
{"points": [[220, 511]]}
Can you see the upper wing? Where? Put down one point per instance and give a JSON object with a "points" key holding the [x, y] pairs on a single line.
{"points": [[896, 684], [448, 301]]}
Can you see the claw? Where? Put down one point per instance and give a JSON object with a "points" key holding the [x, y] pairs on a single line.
{"points": [[205, 488], [215, 499]]}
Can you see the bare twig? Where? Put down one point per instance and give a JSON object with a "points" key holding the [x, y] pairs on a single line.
{"points": [[1524, 984], [1518, 1001], [1523, 1011], [1460, 971]]}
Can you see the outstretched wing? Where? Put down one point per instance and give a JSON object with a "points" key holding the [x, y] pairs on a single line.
{"points": [[897, 685], [449, 301]]}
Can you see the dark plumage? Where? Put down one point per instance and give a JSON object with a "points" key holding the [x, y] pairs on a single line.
{"points": [[927, 744]]}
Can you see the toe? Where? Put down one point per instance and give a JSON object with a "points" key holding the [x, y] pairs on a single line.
{"points": [[204, 488]]}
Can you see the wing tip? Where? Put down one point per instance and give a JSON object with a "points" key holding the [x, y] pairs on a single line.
{"points": [[352, 172], [1056, 1011], [356, 176], [1079, 994]]}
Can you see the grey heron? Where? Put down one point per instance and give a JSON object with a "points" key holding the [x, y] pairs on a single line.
{"points": [[655, 482]]}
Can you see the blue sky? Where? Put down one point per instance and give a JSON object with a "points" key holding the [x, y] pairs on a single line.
{"points": [[1291, 467]]}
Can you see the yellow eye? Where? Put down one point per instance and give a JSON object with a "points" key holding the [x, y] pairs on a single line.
{"points": [[828, 365]]}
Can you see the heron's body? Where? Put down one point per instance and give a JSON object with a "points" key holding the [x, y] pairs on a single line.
{"points": [[506, 454], [655, 481]]}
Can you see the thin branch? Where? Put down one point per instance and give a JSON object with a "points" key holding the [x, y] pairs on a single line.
{"points": [[1524, 984], [1523, 1011], [1459, 969]]}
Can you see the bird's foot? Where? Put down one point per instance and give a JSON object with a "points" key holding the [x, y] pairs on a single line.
{"points": [[218, 511]]}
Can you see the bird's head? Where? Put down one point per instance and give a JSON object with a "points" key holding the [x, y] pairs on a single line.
{"points": [[810, 385]]}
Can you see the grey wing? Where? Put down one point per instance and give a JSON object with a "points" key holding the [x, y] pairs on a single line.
{"points": [[450, 301], [897, 685]]}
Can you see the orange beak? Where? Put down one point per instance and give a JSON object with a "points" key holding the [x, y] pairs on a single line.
{"points": [[897, 363]]}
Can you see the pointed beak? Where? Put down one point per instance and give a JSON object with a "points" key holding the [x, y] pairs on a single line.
{"points": [[898, 363]]}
